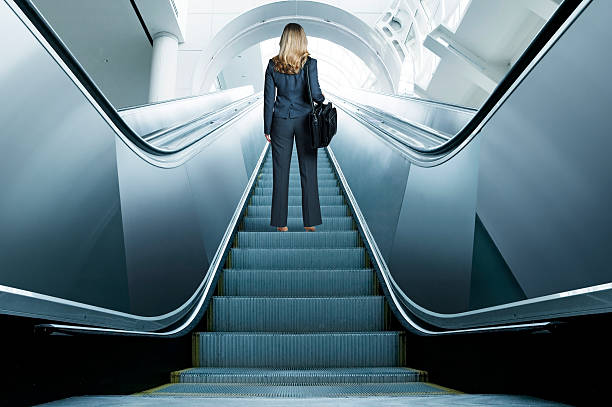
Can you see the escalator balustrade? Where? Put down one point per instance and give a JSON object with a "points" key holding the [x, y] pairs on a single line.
{"points": [[298, 314]]}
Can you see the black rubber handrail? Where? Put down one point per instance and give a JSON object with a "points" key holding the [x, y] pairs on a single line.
{"points": [[202, 118], [32, 13], [563, 12], [77, 70], [537, 45], [552, 26]]}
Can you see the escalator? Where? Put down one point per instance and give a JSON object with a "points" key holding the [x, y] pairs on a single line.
{"points": [[441, 225], [298, 314]]}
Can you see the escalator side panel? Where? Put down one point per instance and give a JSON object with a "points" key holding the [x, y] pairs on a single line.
{"points": [[96, 230], [59, 208], [431, 259], [545, 183], [377, 174]]}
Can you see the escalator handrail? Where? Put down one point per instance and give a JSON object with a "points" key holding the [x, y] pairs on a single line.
{"points": [[563, 17], [397, 121], [200, 299], [445, 105], [404, 312], [53, 41], [205, 117]]}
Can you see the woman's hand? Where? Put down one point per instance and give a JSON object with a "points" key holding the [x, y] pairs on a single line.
{"points": [[268, 138]]}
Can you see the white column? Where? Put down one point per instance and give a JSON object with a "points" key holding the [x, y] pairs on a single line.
{"points": [[163, 67]]}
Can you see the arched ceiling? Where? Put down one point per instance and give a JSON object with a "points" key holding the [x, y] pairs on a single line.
{"points": [[318, 19]]}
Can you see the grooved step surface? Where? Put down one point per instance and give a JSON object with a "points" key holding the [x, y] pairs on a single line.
{"points": [[246, 390], [298, 283], [296, 177], [296, 171], [298, 191], [295, 313], [296, 211], [297, 224], [263, 314], [297, 351], [296, 183], [297, 200], [342, 258], [298, 377], [288, 240]]}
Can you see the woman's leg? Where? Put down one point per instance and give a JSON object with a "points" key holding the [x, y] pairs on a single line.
{"points": [[281, 134], [307, 158]]}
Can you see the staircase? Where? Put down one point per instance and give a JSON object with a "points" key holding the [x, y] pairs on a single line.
{"points": [[298, 314]]}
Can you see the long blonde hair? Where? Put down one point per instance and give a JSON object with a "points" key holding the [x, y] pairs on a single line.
{"points": [[293, 50]]}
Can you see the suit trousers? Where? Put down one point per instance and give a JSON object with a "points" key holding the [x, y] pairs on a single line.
{"points": [[282, 134]]}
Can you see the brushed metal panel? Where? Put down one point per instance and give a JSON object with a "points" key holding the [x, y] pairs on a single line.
{"points": [[445, 118], [59, 207], [164, 246], [155, 116], [431, 259], [546, 181], [376, 174], [218, 176]]}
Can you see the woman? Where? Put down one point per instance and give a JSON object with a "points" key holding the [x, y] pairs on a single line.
{"points": [[286, 116]]}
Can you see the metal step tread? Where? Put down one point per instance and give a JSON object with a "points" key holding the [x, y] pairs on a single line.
{"points": [[291, 391], [296, 224], [339, 258], [297, 283], [298, 376], [297, 350], [297, 314], [296, 171], [257, 200], [298, 191], [261, 211], [296, 183], [326, 176], [297, 240]]}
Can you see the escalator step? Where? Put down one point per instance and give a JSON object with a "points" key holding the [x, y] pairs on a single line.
{"points": [[298, 191], [296, 351], [298, 377], [296, 177], [296, 240], [297, 200], [267, 314], [297, 391], [298, 283], [296, 171], [344, 258], [295, 164], [297, 224], [320, 153], [295, 211], [297, 183]]}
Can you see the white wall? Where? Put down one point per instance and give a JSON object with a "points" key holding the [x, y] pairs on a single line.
{"points": [[206, 17], [109, 42], [244, 69], [496, 33]]}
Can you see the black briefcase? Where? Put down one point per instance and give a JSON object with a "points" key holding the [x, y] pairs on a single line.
{"points": [[323, 120]]}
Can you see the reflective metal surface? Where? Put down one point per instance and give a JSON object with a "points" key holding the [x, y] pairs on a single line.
{"points": [[441, 117], [94, 230], [144, 218], [426, 233], [153, 117]]}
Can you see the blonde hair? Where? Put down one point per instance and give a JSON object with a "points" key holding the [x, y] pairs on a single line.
{"points": [[293, 50]]}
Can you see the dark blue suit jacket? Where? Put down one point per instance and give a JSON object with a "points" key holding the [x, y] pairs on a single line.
{"points": [[292, 94]]}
